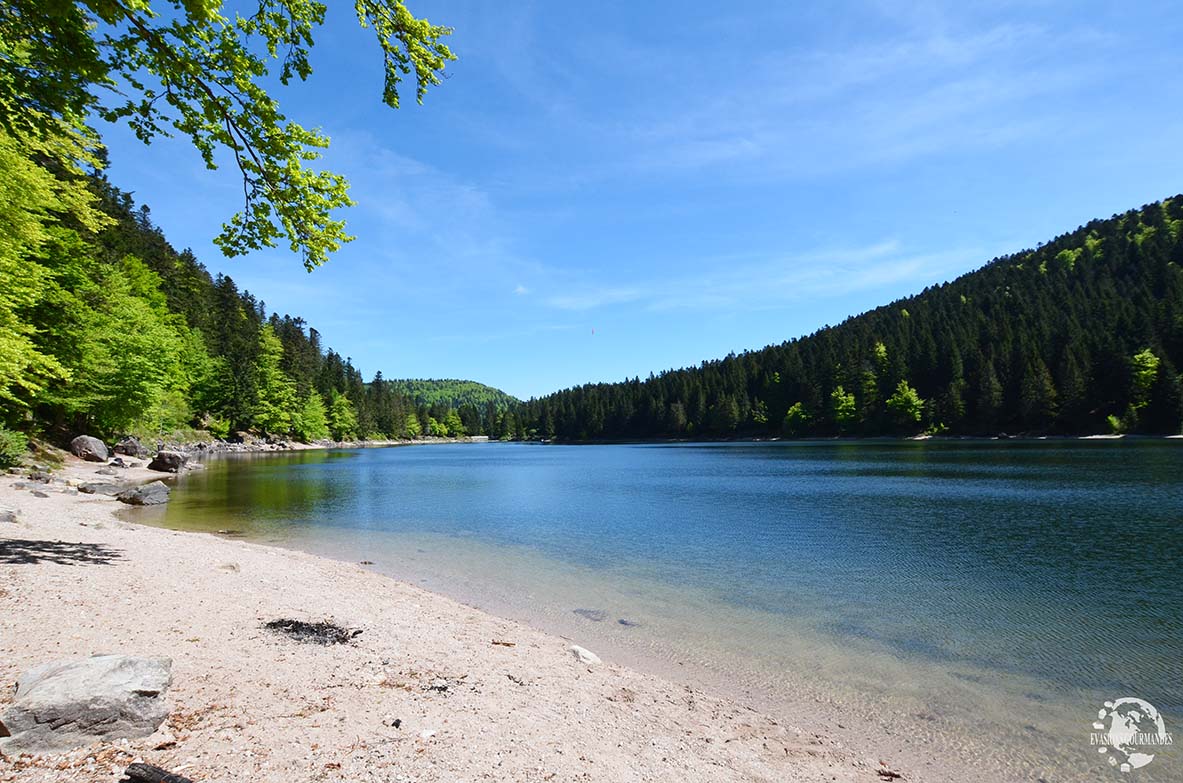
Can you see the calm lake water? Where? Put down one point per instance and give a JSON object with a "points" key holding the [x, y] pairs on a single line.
{"points": [[976, 601]]}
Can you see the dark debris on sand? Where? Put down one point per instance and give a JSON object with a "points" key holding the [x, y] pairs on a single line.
{"points": [[312, 633]]}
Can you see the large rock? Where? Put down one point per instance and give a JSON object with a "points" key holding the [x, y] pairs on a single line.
{"points": [[148, 495], [584, 655], [88, 448], [72, 703], [100, 488], [168, 462], [131, 447]]}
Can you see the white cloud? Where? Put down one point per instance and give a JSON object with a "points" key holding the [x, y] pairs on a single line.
{"points": [[591, 298], [761, 284]]}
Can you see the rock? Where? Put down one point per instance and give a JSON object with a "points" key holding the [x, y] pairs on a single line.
{"points": [[8, 516], [38, 494], [595, 615], [88, 448], [40, 476], [131, 447], [72, 703], [100, 488], [105, 472], [152, 494], [168, 462], [584, 655], [117, 463]]}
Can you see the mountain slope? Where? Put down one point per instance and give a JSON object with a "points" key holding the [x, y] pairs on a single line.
{"points": [[1084, 334], [453, 393]]}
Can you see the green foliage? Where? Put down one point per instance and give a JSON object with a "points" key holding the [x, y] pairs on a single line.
{"points": [[342, 417], [905, 405], [219, 428], [842, 408], [13, 447], [275, 401], [453, 425], [184, 66], [1144, 369], [436, 429], [32, 203], [120, 350], [311, 423], [796, 421], [413, 428]]}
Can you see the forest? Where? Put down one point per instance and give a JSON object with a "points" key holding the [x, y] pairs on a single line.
{"points": [[1082, 335], [106, 329]]}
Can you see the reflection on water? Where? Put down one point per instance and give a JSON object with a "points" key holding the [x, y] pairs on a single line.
{"points": [[983, 596]]}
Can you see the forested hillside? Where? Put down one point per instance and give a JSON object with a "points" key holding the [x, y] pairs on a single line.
{"points": [[1081, 335], [106, 329], [454, 393]]}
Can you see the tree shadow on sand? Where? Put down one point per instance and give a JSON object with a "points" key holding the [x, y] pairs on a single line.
{"points": [[20, 551]]}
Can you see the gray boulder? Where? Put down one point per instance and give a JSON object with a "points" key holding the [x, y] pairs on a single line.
{"points": [[168, 462], [131, 447], [88, 448], [152, 494], [8, 516], [100, 488], [72, 703]]}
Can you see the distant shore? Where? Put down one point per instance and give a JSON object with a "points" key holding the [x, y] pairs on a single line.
{"points": [[430, 690], [858, 438]]}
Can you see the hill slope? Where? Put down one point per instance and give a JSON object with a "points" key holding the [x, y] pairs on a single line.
{"points": [[453, 393], [1081, 335]]}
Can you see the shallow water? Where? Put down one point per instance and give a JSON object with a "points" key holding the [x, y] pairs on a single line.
{"points": [[976, 602]]}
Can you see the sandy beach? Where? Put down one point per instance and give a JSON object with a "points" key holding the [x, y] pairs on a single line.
{"points": [[429, 690]]}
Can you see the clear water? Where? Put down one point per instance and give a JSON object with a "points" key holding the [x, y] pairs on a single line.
{"points": [[965, 605]]}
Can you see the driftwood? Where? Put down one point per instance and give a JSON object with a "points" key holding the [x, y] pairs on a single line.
{"points": [[146, 773]]}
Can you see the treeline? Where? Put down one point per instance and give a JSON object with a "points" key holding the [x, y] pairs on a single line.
{"points": [[1081, 335], [106, 329]]}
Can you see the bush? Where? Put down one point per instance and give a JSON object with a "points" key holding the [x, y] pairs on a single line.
{"points": [[13, 447]]}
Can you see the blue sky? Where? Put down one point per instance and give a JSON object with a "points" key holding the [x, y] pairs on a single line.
{"points": [[691, 179]]}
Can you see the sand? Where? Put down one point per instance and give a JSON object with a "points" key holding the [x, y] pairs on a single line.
{"points": [[475, 697]]}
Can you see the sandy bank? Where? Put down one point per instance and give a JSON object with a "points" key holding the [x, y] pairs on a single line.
{"points": [[76, 580]]}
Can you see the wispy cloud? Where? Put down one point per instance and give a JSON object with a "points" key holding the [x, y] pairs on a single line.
{"points": [[760, 284], [591, 298]]}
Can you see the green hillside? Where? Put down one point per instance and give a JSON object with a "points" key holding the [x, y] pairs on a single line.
{"points": [[453, 393], [1083, 334]]}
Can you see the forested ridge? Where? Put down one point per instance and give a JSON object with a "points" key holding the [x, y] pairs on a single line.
{"points": [[454, 393], [1082, 335]]}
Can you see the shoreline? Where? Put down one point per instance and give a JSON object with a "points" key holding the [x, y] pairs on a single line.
{"points": [[247, 704]]}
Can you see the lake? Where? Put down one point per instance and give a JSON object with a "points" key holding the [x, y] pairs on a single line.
{"points": [[971, 602]]}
